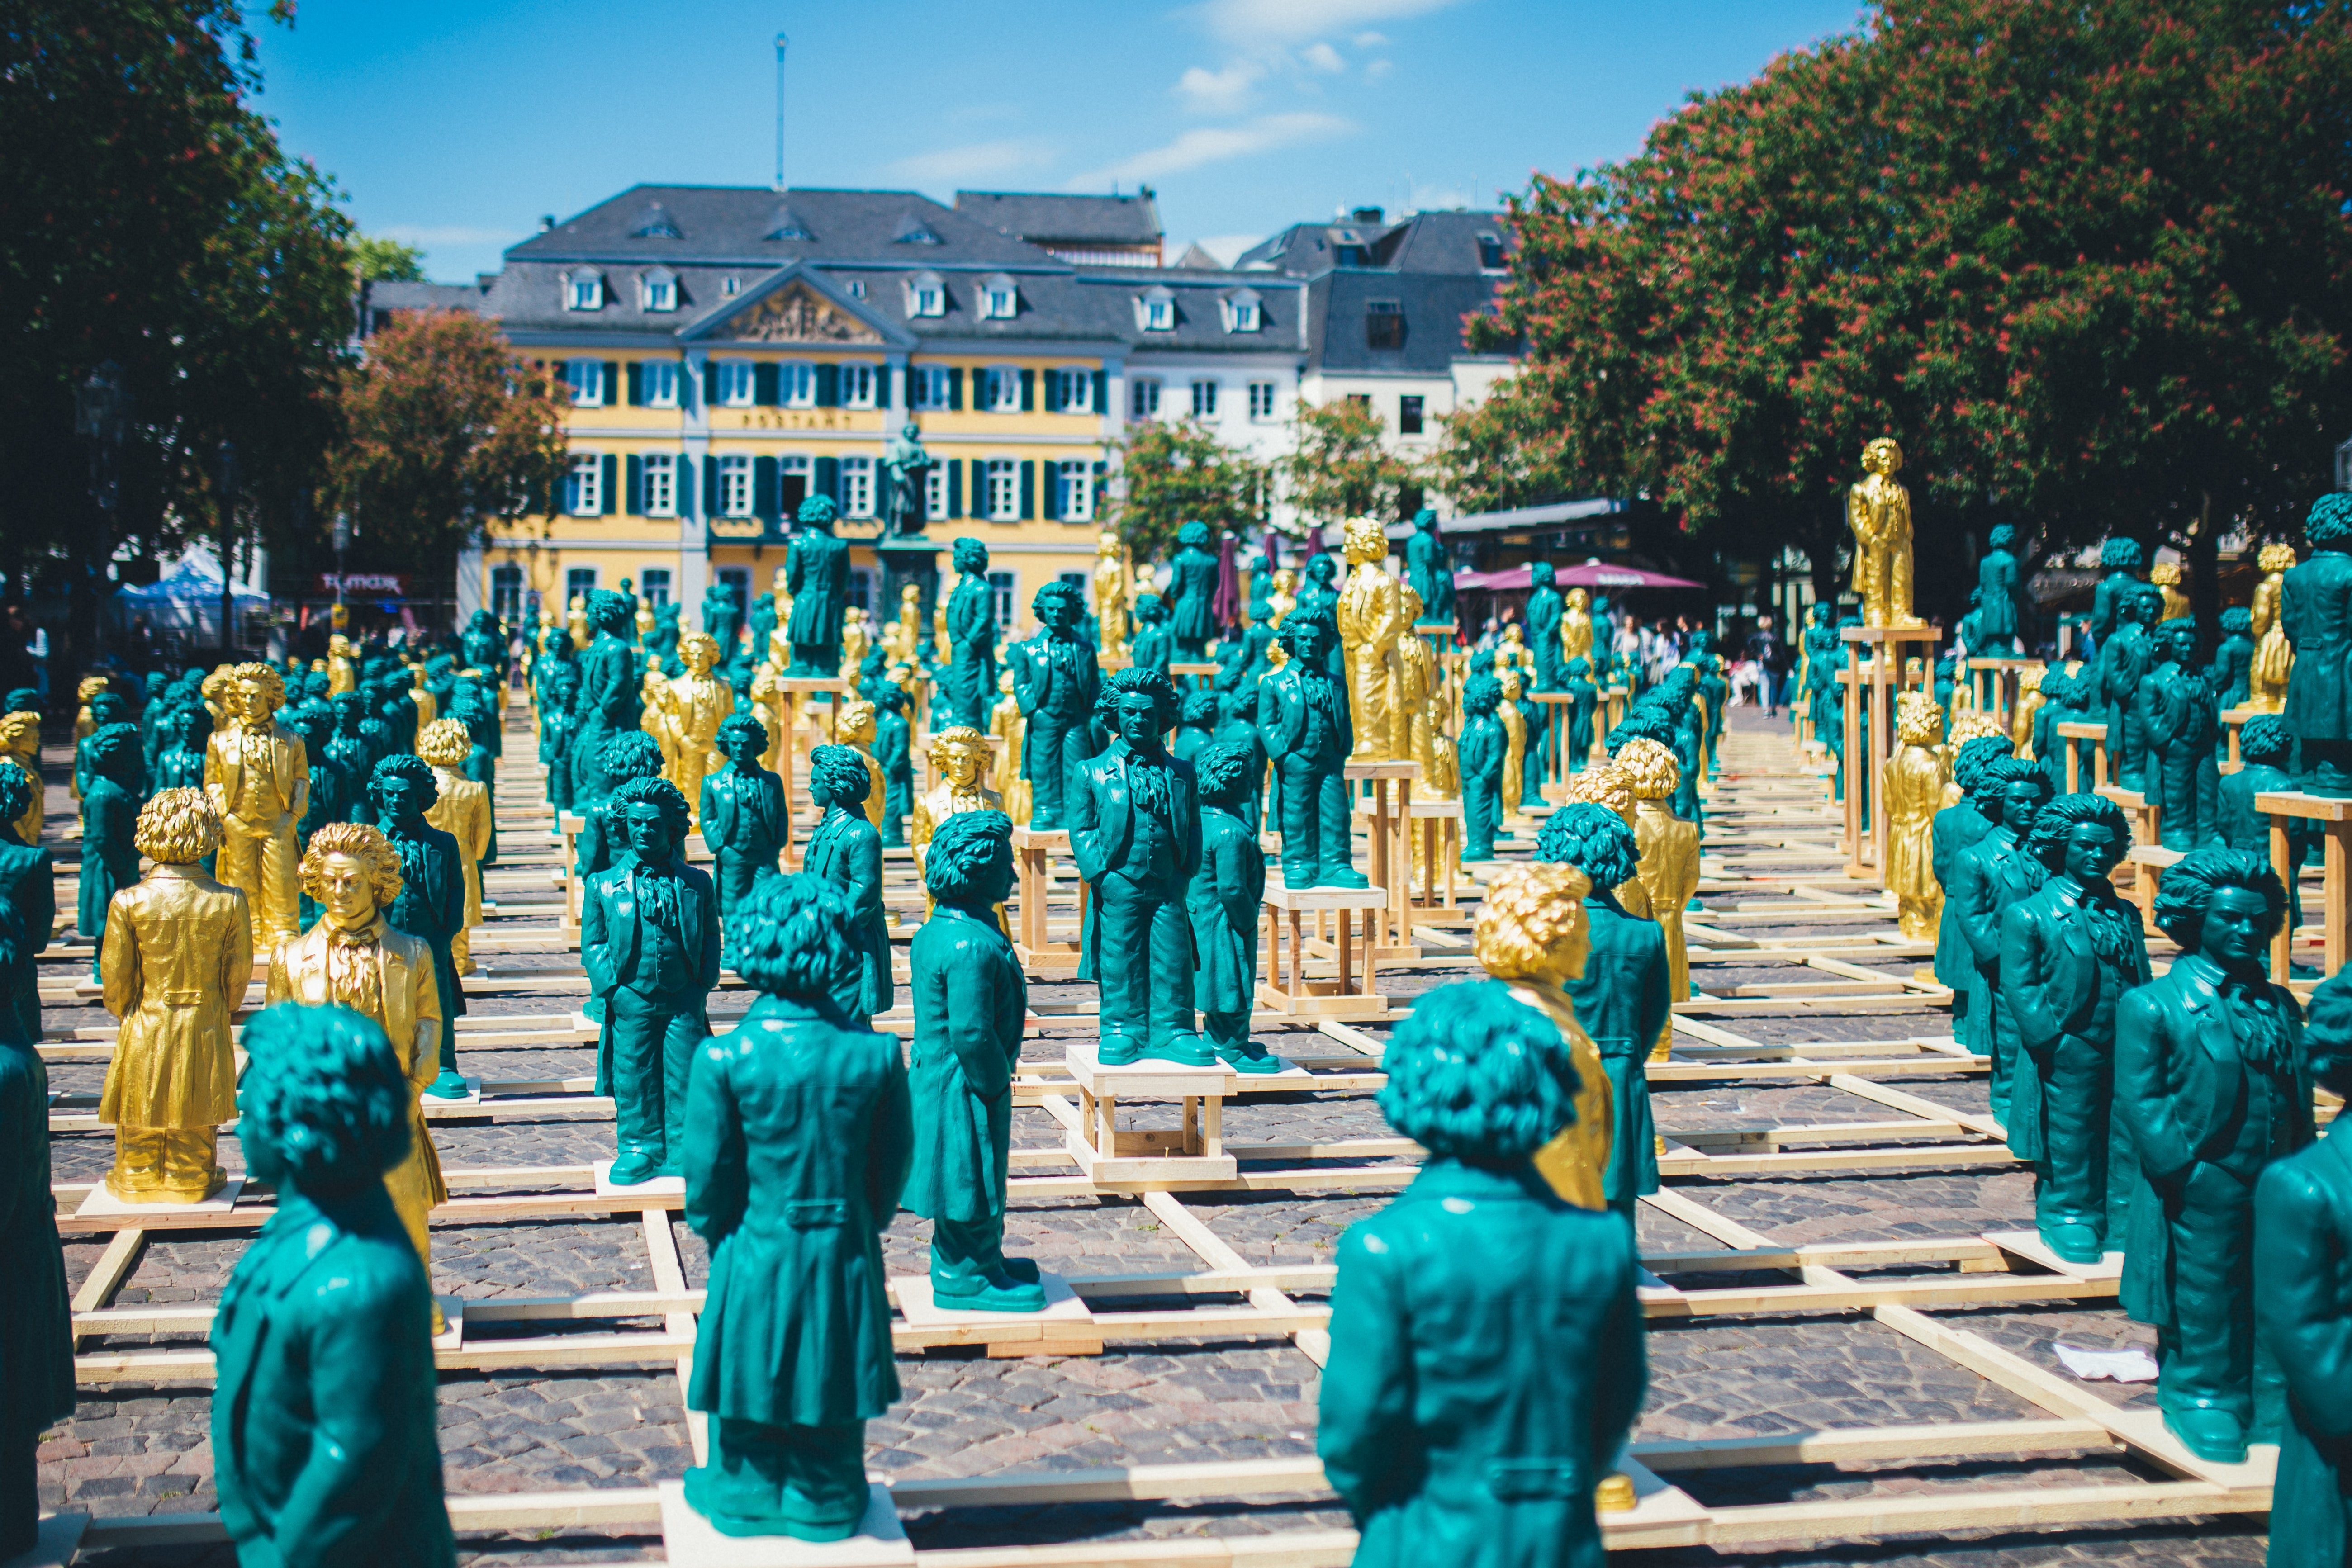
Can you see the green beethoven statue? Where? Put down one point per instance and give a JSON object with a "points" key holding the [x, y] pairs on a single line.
{"points": [[37, 1347], [1486, 1356], [2315, 610], [1990, 876], [1546, 608], [1303, 713], [1135, 836], [432, 902], [1623, 998], [649, 941], [970, 684], [2303, 1310], [1191, 594], [29, 899], [2211, 1084], [970, 1000], [845, 849], [799, 1134], [1483, 754], [744, 818], [817, 574], [1429, 567], [2179, 721], [1056, 680], [608, 701], [2264, 750], [112, 768], [2068, 955], [1222, 901], [1958, 826], [325, 1428]]}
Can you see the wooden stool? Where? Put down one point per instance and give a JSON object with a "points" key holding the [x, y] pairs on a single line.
{"points": [[1193, 1150], [2335, 816], [1440, 826], [1032, 849], [1203, 672], [2148, 862], [2074, 730], [1350, 996], [572, 824], [1390, 934]]}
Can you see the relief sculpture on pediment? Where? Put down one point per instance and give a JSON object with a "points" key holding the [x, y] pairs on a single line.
{"points": [[799, 315]]}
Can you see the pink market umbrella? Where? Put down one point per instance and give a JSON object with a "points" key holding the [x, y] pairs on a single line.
{"points": [[1591, 575]]}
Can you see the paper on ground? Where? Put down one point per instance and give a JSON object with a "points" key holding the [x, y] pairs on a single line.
{"points": [[2133, 1366]]}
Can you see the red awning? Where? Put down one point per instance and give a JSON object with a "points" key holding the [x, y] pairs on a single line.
{"points": [[1589, 574]]}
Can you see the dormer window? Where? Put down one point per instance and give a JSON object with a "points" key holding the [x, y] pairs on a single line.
{"points": [[1384, 325], [584, 292], [657, 290], [654, 223], [913, 230], [927, 295], [1243, 312], [1000, 300], [1490, 252], [727, 287], [786, 225], [1155, 310], [858, 288]]}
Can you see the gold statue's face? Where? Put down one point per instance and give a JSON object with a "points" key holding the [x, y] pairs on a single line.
{"points": [[1882, 456], [777, 582], [253, 701], [1509, 680], [957, 765], [1511, 633], [349, 902], [699, 656], [1107, 544]]}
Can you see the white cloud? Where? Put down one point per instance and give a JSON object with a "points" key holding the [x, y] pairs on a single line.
{"points": [[1219, 92], [1264, 22], [1322, 57], [1377, 69], [974, 161], [1217, 145], [428, 235], [1369, 40]]}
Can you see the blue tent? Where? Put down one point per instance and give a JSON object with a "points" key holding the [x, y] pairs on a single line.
{"points": [[186, 599]]}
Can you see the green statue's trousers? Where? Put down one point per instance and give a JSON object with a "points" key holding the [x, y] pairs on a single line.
{"points": [[968, 1255], [1143, 959], [1314, 849], [1228, 1033], [1985, 1037], [2206, 1360], [1056, 746], [807, 1482], [653, 1042], [1580, 736], [2071, 1180]]}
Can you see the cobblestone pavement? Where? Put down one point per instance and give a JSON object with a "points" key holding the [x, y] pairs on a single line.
{"points": [[139, 1449]]}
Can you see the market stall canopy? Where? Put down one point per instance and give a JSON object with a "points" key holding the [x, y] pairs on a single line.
{"points": [[1591, 575], [1523, 516], [187, 597]]}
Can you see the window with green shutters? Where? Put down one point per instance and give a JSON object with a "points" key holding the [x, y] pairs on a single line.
{"points": [[828, 479], [828, 387], [955, 487], [612, 483], [1028, 479], [764, 386]]}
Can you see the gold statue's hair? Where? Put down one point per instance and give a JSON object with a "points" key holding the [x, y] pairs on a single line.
{"points": [[693, 639], [362, 842], [2275, 557], [2165, 573], [1409, 602], [1970, 722], [1368, 534], [1650, 769], [445, 743], [2029, 678], [856, 718], [273, 685], [962, 735], [22, 724], [91, 685], [1107, 543], [1884, 443], [1918, 718], [1605, 783], [1528, 910], [1580, 597], [177, 827]]}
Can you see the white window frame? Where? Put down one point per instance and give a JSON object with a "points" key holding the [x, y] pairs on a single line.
{"points": [[583, 485], [1075, 391], [927, 386], [935, 493], [578, 583], [1155, 311], [1244, 313], [1004, 594], [736, 382], [1074, 494], [1204, 398], [1000, 300], [1262, 398], [927, 295], [857, 487], [659, 379], [857, 383], [1003, 500], [653, 585], [1143, 397], [584, 291], [585, 377], [796, 384], [734, 497], [790, 468], [1002, 383], [658, 478], [658, 291]]}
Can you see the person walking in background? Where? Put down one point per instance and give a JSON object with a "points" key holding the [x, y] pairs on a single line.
{"points": [[1771, 657]]}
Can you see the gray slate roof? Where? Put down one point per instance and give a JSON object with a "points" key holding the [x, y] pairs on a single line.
{"points": [[733, 223], [1047, 219]]}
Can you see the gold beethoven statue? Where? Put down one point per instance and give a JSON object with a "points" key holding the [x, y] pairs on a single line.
{"points": [[2274, 655], [1915, 776], [1878, 510], [353, 958], [698, 703], [959, 753], [1531, 933], [1666, 873], [1114, 588], [462, 812], [178, 955], [342, 668], [1371, 619], [2166, 575], [20, 742], [1007, 724], [260, 780], [855, 730], [1576, 627]]}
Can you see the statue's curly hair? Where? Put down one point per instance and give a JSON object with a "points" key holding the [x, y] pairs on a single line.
{"points": [[1651, 768], [1593, 838], [323, 1087], [1198, 707], [176, 828], [2058, 819], [1149, 682], [1967, 764], [2002, 537], [735, 724], [790, 938], [1974, 723], [272, 684], [1151, 607], [2330, 518], [1480, 695], [2190, 882], [1604, 784], [611, 612], [1474, 1074], [840, 771], [970, 554], [362, 842], [2001, 772], [1222, 773], [1526, 912], [2119, 555], [16, 791], [1057, 595], [962, 849], [2328, 1033], [445, 743], [1642, 723], [2264, 739], [631, 755], [1542, 574], [1241, 702], [817, 510], [1192, 536], [412, 767], [2237, 620], [962, 735], [659, 792], [113, 751], [1295, 625]]}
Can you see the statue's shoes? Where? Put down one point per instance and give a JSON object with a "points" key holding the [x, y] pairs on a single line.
{"points": [[1251, 1060], [1001, 1294], [629, 1170], [449, 1085], [2074, 1243], [1021, 1269], [2210, 1434], [1184, 1050], [1117, 1048], [1342, 877]]}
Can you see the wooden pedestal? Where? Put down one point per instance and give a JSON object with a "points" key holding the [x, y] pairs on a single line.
{"points": [[1389, 932], [1875, 684], [2335, 817], [1351, 994], [2072, 729], [1032, 851]]}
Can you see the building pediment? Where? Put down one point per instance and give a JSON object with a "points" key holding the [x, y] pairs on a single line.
{"points": [[797, 306]]}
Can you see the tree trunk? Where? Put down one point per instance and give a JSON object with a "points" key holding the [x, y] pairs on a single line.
{"points": [[2204, 575]]}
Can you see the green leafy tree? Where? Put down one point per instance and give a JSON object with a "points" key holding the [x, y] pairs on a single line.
{"points": [[148, 218], [387, 260], [1339, 466], [1176, 472], [446, 432], [2088, 264]]}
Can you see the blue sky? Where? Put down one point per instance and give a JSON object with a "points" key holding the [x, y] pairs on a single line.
{"points": [[455, 126]]}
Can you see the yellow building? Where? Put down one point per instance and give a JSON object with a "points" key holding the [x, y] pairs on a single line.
{"points": [[730, 352]]}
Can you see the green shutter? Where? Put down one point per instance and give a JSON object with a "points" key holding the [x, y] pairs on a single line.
{"points": [[1053, 392], [709, 487], [764, 386], [828, 479], [1028, 479], [636, 502], [612, 382], [881, 386], [1028, 390], [828, 387], [1053, 497], [955, 386], [612, 485], [1102, 389], [636, 384], [710, 383], [763, 489], [955, 487], [685, 472]]}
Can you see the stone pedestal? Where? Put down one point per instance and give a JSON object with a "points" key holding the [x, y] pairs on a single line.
{"points": [[915, 559]]}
